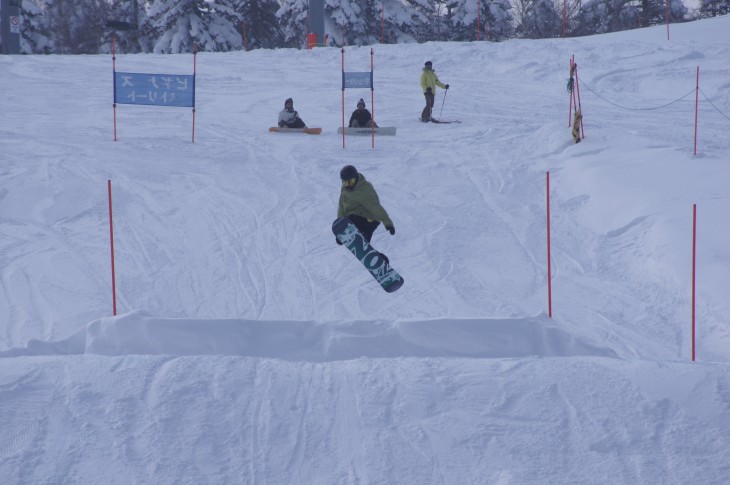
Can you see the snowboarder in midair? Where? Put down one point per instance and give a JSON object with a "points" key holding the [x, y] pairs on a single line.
{"points": [[429, 81], [361, 117], [360, 203], [288, 118]]}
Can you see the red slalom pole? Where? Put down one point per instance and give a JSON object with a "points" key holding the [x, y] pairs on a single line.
{"points": [[697, 101], [694, 269], [667, 3], [342, 49], [550, 286], [195, 68], [479, 20], [245, 44], [111, 239], [114, 74], [570, 95], [372, 100], [579, 106]]}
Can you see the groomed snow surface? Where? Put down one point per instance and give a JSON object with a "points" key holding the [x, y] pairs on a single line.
{"points": [[250, 348]]}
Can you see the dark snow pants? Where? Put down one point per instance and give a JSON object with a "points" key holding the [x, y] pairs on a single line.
{"points": [[365, 226], [426, 113]]}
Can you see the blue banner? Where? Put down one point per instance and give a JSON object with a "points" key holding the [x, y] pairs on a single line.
{"points": [[357, 79], [154, 89]]}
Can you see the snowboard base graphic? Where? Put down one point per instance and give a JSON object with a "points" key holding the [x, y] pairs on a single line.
{"points": [[374, 262]]}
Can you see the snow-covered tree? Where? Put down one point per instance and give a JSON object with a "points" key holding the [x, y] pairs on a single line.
{"points": [[715, 7], [35, 34], [173, 26], [712, 8], [601, 16], [361, 22], [494, 17], [120, 12], [540, 19], [261, 23], [655, 11], [75, 26], [405, 21], [293, 18]]}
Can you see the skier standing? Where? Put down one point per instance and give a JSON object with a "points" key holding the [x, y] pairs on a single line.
{"points": [[429, 81], [360, 203], [288, 118]]}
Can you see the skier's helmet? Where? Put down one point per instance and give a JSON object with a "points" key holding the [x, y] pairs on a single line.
{"points": [[289, 103], [349, 176], [429, 64]]}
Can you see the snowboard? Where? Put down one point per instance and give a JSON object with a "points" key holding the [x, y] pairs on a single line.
{"points": [[346, 232], [381, 130], [309, 131]]}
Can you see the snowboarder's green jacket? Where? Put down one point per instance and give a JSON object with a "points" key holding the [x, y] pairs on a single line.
{"points": [[429, 79], [362, 200]]}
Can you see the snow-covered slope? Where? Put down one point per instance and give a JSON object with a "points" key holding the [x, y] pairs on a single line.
{"points": [[250, 348]]}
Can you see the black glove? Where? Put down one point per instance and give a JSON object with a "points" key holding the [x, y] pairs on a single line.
{"points": [[447, 87], [428, 90], [338, 241], [282, 124], [390, 229]]}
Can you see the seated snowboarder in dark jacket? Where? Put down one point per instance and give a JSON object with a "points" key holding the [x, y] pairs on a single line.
{"points": [[288, 118], [361, 117]]}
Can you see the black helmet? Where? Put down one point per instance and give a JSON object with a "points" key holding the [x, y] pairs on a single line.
{"points": [[288, 101], [429, 64], [348, 172]]}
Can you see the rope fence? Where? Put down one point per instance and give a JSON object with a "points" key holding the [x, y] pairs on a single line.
{"points": [[654, 107]]}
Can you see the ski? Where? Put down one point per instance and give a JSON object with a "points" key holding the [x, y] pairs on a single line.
{"points": [[442, 122]]}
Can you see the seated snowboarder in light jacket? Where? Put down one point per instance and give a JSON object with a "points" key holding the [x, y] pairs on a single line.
{"points": [[361, 117], [288, 118]]}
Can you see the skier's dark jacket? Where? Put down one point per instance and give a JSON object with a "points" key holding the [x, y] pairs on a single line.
{"points": [[362, 200], [362, 117]]}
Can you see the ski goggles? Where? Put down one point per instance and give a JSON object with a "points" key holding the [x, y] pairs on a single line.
{"points": [[349, 183]]}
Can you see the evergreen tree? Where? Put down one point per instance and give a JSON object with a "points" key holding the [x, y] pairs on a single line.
{"points": [[293, 18], [361, 21], [494, 15], [358, 19], [261, 23], [173, 26], [35, 34], [712, 8], [75, 26], [127, 39], [540, 20], [407, 20], [601, 16], [654, 12]]}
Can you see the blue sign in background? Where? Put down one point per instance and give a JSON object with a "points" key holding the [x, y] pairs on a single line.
{"points": [[357, 79], [154, 89]]}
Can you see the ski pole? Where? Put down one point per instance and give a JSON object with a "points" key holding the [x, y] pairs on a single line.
{"points": [[446, 91]]}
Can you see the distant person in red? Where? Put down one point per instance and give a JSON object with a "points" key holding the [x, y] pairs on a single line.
{"points": [[361, 117]]}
